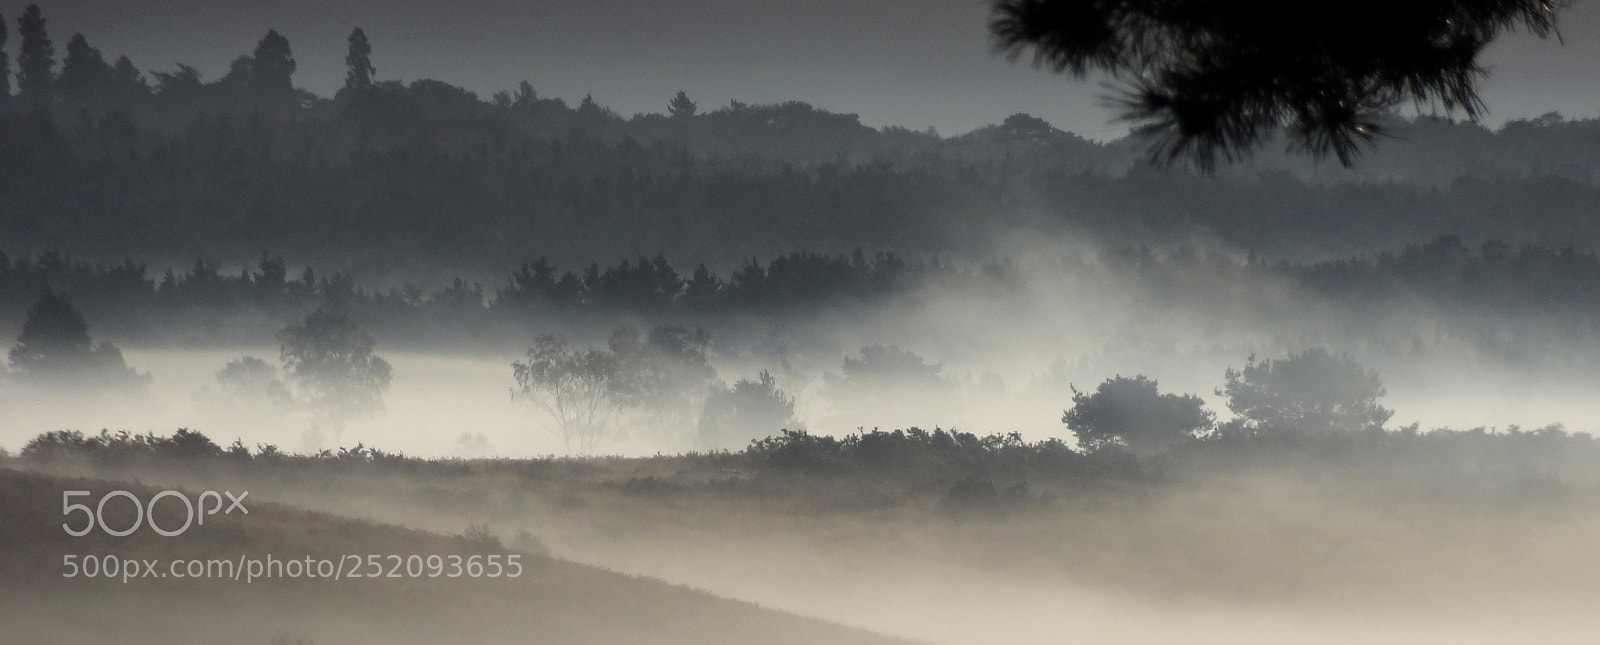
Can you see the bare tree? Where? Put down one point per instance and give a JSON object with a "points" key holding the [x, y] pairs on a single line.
{"points": [[575, 388]]}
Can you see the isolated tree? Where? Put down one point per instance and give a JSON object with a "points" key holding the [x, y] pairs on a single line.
{"points": [[575, 388], [681, 106], [36, 61], [1312, 391], [1133, 412], [271, 70], [55, 349], [330, 360], [1210, 79], [359, 62], [734, 416]]}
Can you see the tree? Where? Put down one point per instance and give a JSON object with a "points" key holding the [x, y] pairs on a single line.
{"points": [[574, 388], [127, 79], [330, 360], [1311, 391], [359, 62], [886, 383], [1207, 79], [1133, 412], [36, 61], [681, 106], [733, 416], [664, 375], [55, 349], [5, 63], [84, 72], [271, 70], [251, 380]]}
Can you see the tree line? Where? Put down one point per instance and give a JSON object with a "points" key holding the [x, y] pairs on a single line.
{"points": [[411, 177], [1557, 285]]}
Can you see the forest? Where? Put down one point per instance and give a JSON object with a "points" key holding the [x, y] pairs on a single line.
{"points": [[404, 179]]}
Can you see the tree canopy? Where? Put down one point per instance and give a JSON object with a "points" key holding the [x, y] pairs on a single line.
{"points": [[55, 349], [36, 62], [359, 61], [1134, 413], [1312, 391], [1209, 78], [330, 359]]}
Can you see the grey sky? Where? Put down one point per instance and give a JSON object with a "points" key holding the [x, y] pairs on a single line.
{"points": [[915, 63]]}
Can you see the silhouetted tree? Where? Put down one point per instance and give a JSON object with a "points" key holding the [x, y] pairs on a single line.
{"points": [[1312, 391], [84, 72], [36, 61], [1133, 412], [1210, 79], [5, 63], [681, 106], [55, 349], [271, 70], [127, 81], [359, 62], [330, 359]]}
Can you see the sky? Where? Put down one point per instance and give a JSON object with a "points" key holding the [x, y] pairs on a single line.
{"points": [[911, 63]]}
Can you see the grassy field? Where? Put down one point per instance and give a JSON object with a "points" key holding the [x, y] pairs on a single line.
{"points": [[1468, 538], [553, 601]]}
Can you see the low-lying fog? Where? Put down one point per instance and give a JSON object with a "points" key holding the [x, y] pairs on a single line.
{"points": [[1005, 350], [460, 406]]}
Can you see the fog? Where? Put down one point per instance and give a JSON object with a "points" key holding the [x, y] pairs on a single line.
{"points": [[799, 369], [1007, 353]]}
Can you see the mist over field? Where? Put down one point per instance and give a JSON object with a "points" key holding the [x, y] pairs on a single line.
{"points": [[1306, 355]]}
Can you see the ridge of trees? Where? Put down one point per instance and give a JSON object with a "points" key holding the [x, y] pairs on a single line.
{"points": [[1559, 283], [421, 174]]}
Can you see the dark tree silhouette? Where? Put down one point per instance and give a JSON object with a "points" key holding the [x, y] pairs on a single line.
{"points": [[55, 349], [271, 70], [331, 361], [84, 72], [127, 81], [5, 63], [359, 62], [36, 61], [1312, 391], [1133, 412], [681, 106], [1208, 79]]}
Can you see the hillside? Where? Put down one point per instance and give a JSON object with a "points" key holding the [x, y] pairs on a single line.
{"points": [[552, 602]]}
